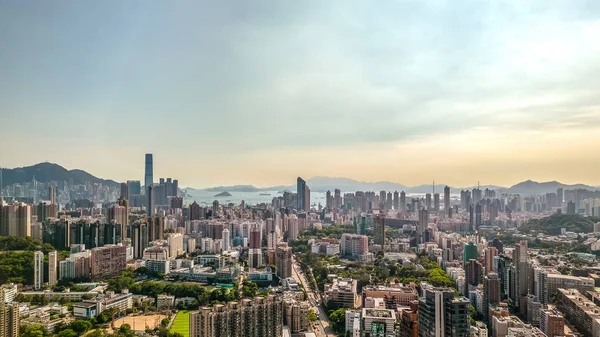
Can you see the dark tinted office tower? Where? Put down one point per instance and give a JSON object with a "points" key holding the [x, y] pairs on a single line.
{"points": [[428, 201], [328, 200], [388, 201], [436, 202], [139, 239], [124, 191], [149, 173], [300, 189], [380, 230], [382, 203], [443, 315], [303, 194], [134, 187], [396, 201], [446, 200], [402, 201], [149, 201]]}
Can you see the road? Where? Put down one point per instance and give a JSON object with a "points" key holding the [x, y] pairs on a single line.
{"points": [[320, 327]]}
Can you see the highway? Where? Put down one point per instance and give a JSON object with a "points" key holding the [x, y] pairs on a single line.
{"points": [[320, 327]]}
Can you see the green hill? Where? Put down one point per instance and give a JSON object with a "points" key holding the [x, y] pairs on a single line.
{"points": [[551, 225], [46, 172]]}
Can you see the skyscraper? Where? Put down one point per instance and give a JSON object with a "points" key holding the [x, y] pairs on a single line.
{"points": [[520, 256], [443, 315], [446, 201], [559, 196], [149, 172], [303, 193], [284, 261], [258, 317], [226, 240], [380, 231], [402, 202], [491, 293], [38, 270], [15, 219], [396, 201], [436, 202], [52, 268], [52, 194], [337, 199], [428, 204], [124, 191], [490, 253], [473, 275], [469, 252], [9, 318], [422, 225]]}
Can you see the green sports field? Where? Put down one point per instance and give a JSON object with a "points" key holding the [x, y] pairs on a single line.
{"points": [[182, 323]]}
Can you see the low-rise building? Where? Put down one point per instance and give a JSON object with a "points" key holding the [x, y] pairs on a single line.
{"points": [[341, 293], [377, 322], [394, 296], [165, 302]]}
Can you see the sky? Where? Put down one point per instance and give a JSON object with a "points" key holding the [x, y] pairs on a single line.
{"points": [[260, 92]]}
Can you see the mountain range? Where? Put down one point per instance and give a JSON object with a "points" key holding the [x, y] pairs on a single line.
{"points": [[46, 172]]}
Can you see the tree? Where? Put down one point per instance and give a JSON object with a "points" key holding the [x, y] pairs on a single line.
{"points": [[67, 333], [35, 330], [125, 328], [312, 316], [81, 326], [165, 322], [96, 333]]}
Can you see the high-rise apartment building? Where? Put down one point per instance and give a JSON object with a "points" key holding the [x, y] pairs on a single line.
{"points": [[139, 239], [337, 199], [473, 274], [422, 225], [52, 194], [396, 202], [226, 243], [379, 238], [354, 245], [108, 261], [284, 261], [124, 191], [491, 293], [441, 314], [446, 201], [552, 322], [259, 317], [38, 270], [490, 253], [52, 268], [402, 202], [436, 202], [520, 256], [15, 219], [9, 319], [296, 315]]}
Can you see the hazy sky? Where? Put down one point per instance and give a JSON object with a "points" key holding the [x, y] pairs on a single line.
{"points": [[260, 92]]}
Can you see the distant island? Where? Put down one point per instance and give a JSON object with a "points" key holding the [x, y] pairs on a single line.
{"points": [[223, 194], [234, 188]]}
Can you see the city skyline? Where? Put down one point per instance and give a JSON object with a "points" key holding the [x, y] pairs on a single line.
{"points": [[239, 92], [439, 186]]}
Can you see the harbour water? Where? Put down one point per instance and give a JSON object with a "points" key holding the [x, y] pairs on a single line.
{"points": [[206, 198]]}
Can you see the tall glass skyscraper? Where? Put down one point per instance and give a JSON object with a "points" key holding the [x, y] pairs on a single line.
{"points": [[148, 175]]}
